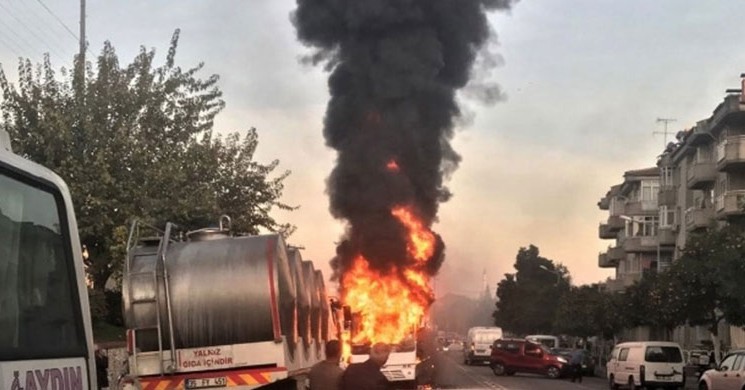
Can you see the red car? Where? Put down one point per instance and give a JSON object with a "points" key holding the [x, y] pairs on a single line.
{"points": [[509, 356]]}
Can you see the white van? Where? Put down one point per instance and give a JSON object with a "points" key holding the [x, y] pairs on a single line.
{"points": [[479, 342], [650, 364], [547, 341]]}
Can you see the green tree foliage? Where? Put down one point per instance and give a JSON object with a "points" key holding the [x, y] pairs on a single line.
{"points": [[527, 299], [586, 311], [137, 141], [709, 278], [658, 301]]}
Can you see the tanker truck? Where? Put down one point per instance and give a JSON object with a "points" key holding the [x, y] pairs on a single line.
{"points": [[209, 309]]}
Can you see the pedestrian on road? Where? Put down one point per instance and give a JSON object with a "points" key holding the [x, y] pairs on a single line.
{"points": [[575, 364], [326, 375], [367, 375]]}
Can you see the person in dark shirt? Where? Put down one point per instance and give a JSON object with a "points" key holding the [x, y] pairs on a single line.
{"points": [[367, 375], [326, 375]]}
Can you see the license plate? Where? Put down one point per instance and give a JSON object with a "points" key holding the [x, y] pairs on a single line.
{"points": [[204, 383]]}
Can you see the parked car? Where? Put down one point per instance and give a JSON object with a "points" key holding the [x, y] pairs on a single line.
{"points": [[648, 364], [729, 375], [588, 364], [509, 356]]}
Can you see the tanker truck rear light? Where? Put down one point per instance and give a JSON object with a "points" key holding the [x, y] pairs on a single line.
{"points": [[130, 341]]}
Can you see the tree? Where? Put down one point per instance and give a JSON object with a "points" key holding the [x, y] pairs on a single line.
{"points": [[527, 300], [137, 142], [586, 311], [659, 301], [708, 279]]}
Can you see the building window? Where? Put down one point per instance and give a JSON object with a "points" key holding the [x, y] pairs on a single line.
{"points": [[667, 217], [666, 176], [642, 226], [650, 190]]}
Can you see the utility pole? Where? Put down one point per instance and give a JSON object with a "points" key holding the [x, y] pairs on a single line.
{"points": [[82, 42], [666, 121]]}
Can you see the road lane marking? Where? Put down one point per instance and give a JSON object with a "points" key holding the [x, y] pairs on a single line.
{"points": [[481, 381]]}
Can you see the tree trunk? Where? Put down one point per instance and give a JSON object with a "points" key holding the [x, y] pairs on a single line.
{"points": [[714, 330]]}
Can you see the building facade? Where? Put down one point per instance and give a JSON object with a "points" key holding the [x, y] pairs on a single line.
{"points": [[699, 183]]}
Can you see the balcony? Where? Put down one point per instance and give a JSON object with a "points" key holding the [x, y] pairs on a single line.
{"points": [[616, 254], [729, 112], [731, 154], [701, 175], [666, 236], [732, 203], [668, 196], [615, 224], [640, 244], [697, 219], [605, 232], [604, 203], [605, 262], [621, 282], [641, 207], [700, 134]]}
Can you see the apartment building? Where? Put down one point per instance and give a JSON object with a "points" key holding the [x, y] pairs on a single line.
{"points": [[634, 223], [699, 184]]}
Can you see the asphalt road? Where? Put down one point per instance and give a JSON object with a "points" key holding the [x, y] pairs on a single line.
{"points": [[447, 371]]}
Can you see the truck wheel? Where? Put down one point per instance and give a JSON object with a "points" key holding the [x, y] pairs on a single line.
{"points": [[553, 372], [498, 369], [612, 385], [632, 384]]}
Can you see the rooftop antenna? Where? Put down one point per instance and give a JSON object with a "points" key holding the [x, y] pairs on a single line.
{"points": [[664, 132]]}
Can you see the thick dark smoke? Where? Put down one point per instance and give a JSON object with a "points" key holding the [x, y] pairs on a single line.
{"points": [[396, 66]]}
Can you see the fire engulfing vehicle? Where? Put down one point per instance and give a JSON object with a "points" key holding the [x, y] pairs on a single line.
{"points": [[207, 308]]}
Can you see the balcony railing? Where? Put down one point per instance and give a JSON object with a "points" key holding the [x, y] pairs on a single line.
{"points": [[698, 218], [605, 262], [641, 207], [732, 203], [668, 196], [615, 223], [666, 236], [605, 232], [640, 244], [733, 156], [616, 253], [701, 175]]}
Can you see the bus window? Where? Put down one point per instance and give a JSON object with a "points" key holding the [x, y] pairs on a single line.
{"points": [[40, 314]]}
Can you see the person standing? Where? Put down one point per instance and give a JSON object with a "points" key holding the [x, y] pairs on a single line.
{"points": [[326, 375], [575, 364], [367, 375]]}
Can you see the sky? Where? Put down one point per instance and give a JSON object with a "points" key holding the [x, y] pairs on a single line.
{"points": [[585, 82]]}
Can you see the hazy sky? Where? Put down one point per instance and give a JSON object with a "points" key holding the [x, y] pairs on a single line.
{"points": [[585, 79]]}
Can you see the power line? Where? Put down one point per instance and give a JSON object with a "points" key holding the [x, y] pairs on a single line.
{"points": [[24, 42], [32, 13], [43, 42], [59, 20]]}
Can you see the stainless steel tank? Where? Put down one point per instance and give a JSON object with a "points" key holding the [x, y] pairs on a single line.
{"points": [[309, 273], [325, 305], [223, 291]]}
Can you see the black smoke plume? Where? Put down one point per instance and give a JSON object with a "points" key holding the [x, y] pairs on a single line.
{"points": [[396, 66]]}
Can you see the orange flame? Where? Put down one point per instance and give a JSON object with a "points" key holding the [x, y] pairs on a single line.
{"points": [[392, 303]]}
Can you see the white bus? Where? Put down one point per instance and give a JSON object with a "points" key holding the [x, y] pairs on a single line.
{"points": [[46, 339]]}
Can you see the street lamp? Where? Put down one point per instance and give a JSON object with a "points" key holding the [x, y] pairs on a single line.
{"points": [[553, 271]]}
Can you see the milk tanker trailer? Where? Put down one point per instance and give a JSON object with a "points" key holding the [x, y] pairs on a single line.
{"points": [[207, 309]]}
